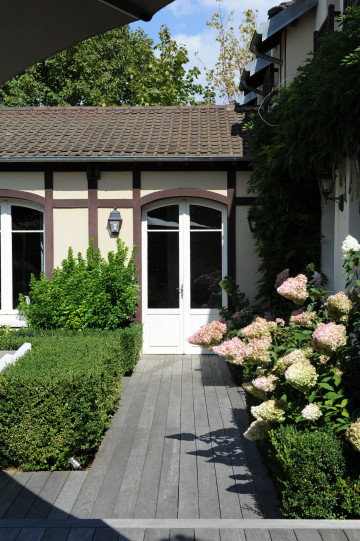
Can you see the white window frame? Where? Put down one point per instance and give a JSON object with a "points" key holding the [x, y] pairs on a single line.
{"points": [[8, 315]]}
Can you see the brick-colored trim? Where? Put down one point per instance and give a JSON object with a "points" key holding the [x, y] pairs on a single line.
{"points": [[93, 175], [49, 223], [137, 235], [25, 196], [183, 192], [231, 238]]}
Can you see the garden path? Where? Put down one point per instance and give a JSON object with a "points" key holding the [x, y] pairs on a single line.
{"points": [[174, 465]]}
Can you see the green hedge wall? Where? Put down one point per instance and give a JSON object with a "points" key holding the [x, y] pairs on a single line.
{"points": [[310, 472], [57, 401]]}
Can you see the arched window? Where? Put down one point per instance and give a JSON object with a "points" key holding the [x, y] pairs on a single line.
{"points": [[22, 250]]}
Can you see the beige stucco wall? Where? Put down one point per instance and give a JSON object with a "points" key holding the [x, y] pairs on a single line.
{"points": [[214, 181], [70, 229], [31, 182], [242, 179], [115, 185], [299, 42], [70, 185], [247, 261], [107, 243]]}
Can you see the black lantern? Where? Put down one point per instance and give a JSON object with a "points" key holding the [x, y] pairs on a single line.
{"points": [[252, 222], [326, 185], [114, 222]]}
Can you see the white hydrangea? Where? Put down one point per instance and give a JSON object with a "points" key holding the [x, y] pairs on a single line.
{"points": [[301, 375], [311, 412], [271, 411], [350, 244]]}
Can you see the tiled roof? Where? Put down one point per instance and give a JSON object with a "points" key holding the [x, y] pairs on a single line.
{"points": [[211, 131]]}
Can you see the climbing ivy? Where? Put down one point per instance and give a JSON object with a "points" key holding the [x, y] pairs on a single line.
{"points": [[310, 127]]}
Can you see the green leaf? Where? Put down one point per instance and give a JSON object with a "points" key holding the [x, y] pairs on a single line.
{"points": [[326, 386]]}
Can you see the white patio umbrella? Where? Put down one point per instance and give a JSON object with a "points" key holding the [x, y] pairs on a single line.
{"points": [[31, 30]]}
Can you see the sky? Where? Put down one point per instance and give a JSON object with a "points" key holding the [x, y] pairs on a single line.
{"points": [[186, 20]]}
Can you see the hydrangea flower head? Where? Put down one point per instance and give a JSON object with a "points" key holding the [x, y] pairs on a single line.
{"points": [[209, 335], [251, 389], [265, 383], [303, 318], [294, 356], [339, 307], [233, 350], [271, 411], [294, 289], [257, 350], [328, 337], [311, 412], [353, 434], [350, 244], [258, 430], [301, 375], [258, 328]]}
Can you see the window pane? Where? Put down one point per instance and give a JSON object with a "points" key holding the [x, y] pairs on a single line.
{"points": [[164, 218], [25, 219], [204, 218], [163, 270], [205, 269], [27, 251]]}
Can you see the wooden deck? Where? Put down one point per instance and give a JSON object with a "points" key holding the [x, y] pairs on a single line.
{"points": [[174, 465]]}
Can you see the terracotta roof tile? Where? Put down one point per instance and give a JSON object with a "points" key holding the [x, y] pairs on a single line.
{"points": [[46, 132]]}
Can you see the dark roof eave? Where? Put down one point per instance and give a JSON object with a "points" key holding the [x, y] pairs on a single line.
{"points": [[122, 159], [268, 33]]}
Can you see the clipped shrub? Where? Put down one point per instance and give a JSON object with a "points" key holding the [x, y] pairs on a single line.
{"points": [[309, 469], [85, 293], [57, 401]]}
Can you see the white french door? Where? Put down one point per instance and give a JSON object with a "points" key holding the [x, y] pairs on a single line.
{"points": [[21, 254], [184, 258]]}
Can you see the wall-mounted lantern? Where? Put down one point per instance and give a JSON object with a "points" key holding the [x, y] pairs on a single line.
{"points": [[326, 185], [114, 222], [252, 220]]}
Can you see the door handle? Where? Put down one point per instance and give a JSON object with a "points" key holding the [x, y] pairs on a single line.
{"points": [[180, 289]]}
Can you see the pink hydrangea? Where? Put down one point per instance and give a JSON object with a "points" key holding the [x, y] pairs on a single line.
{"points": [[353, 434], [303, 318], [209, 335], [251, 389], [311, 412], [271, 411], [265, 383], [237, 315], [328, 337], [281, 277], [233, 350], [339, 307], [258, 328], [301, 375], [257, 350], [280, 321], [258, 430], [294, 289]]}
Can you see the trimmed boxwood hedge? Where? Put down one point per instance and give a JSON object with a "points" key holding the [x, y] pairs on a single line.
{"points": [[57, 401], [310, 471]]}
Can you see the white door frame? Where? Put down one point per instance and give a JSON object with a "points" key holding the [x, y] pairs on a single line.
{"points": [[175, 325]]}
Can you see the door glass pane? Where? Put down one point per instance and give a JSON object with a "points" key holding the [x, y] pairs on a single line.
{"points": [[204, 218], [26, 219], [205, 269], [163, 269], [163, 218], [27, 253]]}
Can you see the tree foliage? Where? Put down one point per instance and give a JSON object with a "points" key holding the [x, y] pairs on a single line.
{"points": [[309, 129], [119, 67], [234, 52]]}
